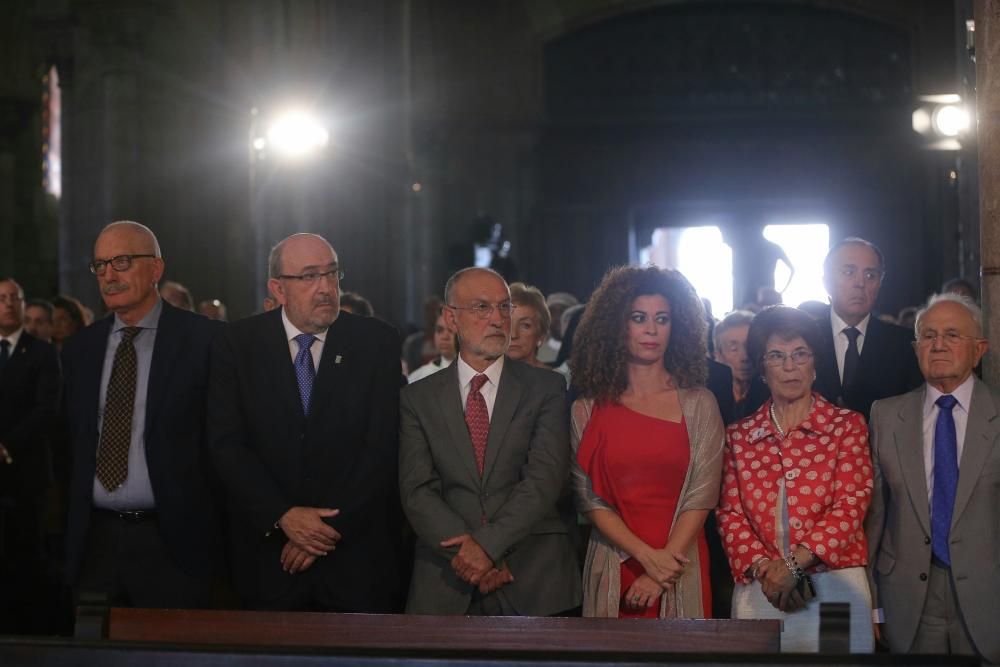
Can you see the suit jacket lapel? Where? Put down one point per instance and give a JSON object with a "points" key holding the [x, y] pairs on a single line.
{"points": [[829, 370], [336, 349], [508, 397], [165, 351], [449, 400], [909, 441], [274, 347], [17, 360], [980, 438], [93, 369]]}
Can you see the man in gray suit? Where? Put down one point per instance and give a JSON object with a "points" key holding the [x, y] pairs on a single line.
{"points": [[934, 524], [484, 457]]}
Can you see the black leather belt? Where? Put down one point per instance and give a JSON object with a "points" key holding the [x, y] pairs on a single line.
{"points": [[131, 516]]}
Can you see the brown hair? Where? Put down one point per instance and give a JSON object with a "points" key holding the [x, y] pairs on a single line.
{"points": [[599, 362]]}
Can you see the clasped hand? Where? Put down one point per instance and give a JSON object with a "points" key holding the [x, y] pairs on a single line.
{"points": [[662, 566], [473, 565], [304, 527], [779, 586]]}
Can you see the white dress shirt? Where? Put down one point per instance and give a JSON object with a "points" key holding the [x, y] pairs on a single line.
{"points": [[962, 394], [840, 339], [293, 345], [489, 390], [13, 340]]}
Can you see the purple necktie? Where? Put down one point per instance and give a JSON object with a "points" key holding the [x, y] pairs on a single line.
{"points": [[305, 372]]}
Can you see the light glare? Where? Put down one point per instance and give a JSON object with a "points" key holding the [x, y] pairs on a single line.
{"points": [[296, 134], [950, 120]]}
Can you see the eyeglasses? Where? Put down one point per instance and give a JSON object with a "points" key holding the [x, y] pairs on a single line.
{"points": [[483, 310], [949, 338], [313, 276], [777, 358], [119, 263]]}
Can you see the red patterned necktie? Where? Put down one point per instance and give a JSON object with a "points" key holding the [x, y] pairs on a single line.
{"points": [[477, 418], [116, 429]]}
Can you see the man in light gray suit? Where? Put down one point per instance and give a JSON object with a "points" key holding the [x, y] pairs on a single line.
{"points": [[484, 457], [934, 524]]}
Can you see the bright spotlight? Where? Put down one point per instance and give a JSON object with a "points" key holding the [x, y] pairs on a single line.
{"points": [[950, 120], [296, 134]]}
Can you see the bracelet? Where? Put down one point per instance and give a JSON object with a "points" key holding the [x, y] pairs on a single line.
{"points": [[793, 566]]}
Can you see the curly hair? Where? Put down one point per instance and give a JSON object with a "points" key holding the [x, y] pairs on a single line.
{"points": [[599, 362]]}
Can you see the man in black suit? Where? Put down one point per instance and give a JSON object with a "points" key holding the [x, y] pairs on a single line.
{"points": [[29, 395], [142, 527], [863, 358], [303, 414]]}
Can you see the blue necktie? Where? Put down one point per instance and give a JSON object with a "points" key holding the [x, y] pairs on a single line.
{"points": [[945, 478], [304, 369]]}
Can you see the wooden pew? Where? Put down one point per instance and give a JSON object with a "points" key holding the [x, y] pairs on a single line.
{"points": [[460, 633]]}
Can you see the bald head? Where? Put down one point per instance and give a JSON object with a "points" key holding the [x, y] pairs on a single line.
{"points": [[138, 235], [294, 243]]}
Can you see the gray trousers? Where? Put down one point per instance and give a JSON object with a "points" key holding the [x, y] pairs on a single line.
{"points": [[942, 629]]}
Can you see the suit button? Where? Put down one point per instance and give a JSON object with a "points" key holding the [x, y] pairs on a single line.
{"points": [[927, 540], [923, 576]]}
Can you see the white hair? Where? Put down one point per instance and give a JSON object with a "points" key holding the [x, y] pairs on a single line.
{"points": [[975, 312]]}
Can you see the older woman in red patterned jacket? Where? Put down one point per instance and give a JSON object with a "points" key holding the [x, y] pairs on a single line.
{"points": [[797, 481]]}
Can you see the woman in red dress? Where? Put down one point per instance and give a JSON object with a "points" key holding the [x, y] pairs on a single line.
{"points": [[648, 441]]}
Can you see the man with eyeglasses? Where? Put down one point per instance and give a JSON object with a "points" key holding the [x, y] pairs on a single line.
{"points": [[143, 526], [934, 522], [484, 458], [863, 358], [29, 396], [303, 410]]}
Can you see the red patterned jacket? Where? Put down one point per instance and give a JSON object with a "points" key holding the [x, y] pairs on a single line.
{"points": [[826, 467]]}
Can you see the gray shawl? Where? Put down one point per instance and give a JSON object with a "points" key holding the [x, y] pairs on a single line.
{"points": [[602, 569]]}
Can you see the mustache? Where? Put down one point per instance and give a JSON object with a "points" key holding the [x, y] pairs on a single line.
{"points": [[324, 301], [114, 288]]}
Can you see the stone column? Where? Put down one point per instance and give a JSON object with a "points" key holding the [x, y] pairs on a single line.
{"points": [[987, 14]]}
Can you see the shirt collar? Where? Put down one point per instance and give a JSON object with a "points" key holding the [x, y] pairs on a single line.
{"points": [[467, 372], [13, 338], [839, 325], [291, 331], [150, 321], [962, 394], [765, 428]]}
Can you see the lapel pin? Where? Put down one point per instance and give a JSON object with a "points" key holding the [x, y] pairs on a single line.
{"points": [[337, 359]]}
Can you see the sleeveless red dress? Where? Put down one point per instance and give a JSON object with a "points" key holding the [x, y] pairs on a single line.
{"points": [[637, 464]]}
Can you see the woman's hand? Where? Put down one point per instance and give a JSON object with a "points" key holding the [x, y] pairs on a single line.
{"points": [[662, 566], [644, 592], [778, 585]]}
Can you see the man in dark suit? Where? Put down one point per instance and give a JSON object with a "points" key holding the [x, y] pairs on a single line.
{"points": [[303, 410], [29, 395], [863, 358], [142, 527], [484, 458], [934, 523]]}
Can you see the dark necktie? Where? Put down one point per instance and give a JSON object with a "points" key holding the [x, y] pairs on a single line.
{"points": [[852, 359], [945, 477], [305, 372], [477, 418], [116, 429], [4, 353]]}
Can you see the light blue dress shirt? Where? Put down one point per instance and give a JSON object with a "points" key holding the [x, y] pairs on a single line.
{"points": [[137, 491]]}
